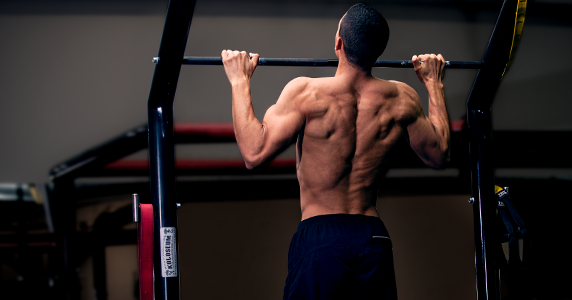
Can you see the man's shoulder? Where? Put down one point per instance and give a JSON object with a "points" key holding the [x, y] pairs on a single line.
{"points": [[310, 82], [295, 91], [401, 87], [299, 82], [408, 104], [402, 91], [297, 86], [304, 87]]}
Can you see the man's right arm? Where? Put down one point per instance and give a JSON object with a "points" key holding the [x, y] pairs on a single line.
{"points": [[428, 136]]}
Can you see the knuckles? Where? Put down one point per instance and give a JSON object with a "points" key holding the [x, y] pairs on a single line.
{"points": [[235, 54]]}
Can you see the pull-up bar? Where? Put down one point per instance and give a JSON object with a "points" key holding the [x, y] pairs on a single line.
{"points": [[323, 62]]}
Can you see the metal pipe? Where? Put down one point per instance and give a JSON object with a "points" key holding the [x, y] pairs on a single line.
{"points": [[135, 206], [63, 208], [482, 154], [322, 62], [162, 150]]}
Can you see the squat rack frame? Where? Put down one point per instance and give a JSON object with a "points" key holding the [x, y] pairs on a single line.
{"points": [[162, 159]]}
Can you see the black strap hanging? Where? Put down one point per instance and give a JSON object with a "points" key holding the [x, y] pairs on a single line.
{"points": [[514, 265]]}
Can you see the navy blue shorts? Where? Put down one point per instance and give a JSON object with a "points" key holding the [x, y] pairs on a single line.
{"points": [[340, 257]]}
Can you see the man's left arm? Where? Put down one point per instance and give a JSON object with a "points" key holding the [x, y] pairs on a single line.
{"points": [[259, 142]]}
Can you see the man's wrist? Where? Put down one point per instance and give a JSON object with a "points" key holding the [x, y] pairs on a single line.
{"points": [[239, 82], [434, 85]]}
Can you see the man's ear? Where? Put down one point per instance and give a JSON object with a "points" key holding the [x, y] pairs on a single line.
{"points": [[339, 43]]}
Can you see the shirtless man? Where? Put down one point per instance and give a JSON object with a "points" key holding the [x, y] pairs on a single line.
{"points": [[346, 127]]}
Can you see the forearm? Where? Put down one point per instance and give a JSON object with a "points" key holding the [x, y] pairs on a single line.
{"points": [[438, 115], [248, 130]]}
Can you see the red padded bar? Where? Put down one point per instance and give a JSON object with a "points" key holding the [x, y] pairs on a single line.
{"points": [[226, 130], [459, 125], [198, 164], [209, 129], [145, 247]]}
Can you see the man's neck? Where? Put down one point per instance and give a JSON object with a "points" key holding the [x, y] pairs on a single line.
{"points": [[348, 70]]}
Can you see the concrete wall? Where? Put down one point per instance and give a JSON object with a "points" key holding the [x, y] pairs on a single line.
{"points": [[76, 73]]}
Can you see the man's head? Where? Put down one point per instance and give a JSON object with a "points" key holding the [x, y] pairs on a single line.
{"points": [[364, 33]]}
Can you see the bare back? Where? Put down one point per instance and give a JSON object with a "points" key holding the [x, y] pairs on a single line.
{"points": [[346, 127], [342, 151]]}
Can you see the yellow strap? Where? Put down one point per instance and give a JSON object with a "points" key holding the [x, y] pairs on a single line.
{"points": [[518, 25], [35, 195]]}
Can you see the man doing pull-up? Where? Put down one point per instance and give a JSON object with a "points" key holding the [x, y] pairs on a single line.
{"points": [[346, 127]]}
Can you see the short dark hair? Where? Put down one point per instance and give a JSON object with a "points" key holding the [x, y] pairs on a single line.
{"points": [[364, 32]]}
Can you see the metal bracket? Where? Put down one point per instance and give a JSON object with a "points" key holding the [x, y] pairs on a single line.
{"points": [[136, 208]]}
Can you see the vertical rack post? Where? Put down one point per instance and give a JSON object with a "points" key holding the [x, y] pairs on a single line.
{"points": [[161, 147], [479, 120], [64, 216]]}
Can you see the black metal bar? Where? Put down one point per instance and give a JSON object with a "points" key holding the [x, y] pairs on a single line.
{"points": [[99, 156], [161, 146], [322, 62], [63, 207], [481, 151], [99, 267]]}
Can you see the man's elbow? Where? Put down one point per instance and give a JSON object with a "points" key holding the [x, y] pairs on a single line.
{"points": [[440, 165], [443, 160], [251, 166], [253, 162], [440, 160], [253, 156]]}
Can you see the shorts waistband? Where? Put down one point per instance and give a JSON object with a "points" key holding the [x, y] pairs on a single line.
{"points": [[339, 218]]}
